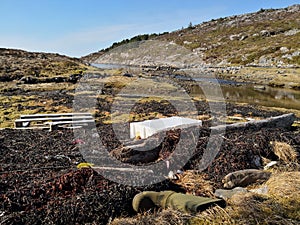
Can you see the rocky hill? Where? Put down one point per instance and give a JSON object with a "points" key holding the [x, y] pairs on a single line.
{"points": [[33, 66], [269, 37]]}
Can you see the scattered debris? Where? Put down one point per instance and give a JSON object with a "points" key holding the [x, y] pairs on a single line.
{"points": [[270, 165]]}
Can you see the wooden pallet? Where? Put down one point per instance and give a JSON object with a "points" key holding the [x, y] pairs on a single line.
{"points": [[53, 121]]}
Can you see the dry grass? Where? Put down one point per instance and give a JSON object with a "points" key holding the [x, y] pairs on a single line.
{"points": [[196, 184], [164, 217], [284, 151], [281, 205], [284, 188]]}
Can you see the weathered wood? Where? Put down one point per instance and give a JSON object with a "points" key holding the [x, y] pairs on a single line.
{"points": [[243, 178], [283, 121], [26, 121], [56, 119], [51, 115], [54, 125]]}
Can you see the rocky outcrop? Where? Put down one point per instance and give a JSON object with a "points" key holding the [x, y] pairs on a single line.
{"points": [[265, 38], [152, 53]]}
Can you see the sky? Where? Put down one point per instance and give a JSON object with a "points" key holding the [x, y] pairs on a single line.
{"points": [[79, 27]]}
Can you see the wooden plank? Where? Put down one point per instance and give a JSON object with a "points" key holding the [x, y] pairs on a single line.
{"points": [[53, 115], [69, 122], [54, 119], [32, 128], [55, 125], [25, 122]]}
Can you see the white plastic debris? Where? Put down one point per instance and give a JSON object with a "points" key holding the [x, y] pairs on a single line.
{"points": [[172, 176], [147, 128], [270, 165]]}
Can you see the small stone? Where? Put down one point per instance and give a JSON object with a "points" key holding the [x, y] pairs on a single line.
{"points": [[243, 37], [226, 194], [265, 33], [284, 49], [261, 191], [259, 87]]}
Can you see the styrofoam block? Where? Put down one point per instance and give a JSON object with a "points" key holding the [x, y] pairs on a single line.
{"points": [[147, 128]]}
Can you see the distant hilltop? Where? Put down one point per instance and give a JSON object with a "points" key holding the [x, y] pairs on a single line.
{"points": [[33, 67], [269, 37]]}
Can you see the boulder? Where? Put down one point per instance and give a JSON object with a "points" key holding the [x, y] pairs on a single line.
{"points": [[227, 194]]}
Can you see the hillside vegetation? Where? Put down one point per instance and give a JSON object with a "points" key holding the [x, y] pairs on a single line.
{"points": [[268, 37], [18, 64]]}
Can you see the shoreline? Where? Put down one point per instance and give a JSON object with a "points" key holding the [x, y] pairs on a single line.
{"points": [[281, 77]]}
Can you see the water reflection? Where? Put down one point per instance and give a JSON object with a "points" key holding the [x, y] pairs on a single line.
{"points": [[268, 96]]}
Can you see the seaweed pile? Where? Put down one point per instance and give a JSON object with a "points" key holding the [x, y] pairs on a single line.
{"points": [[41, 184]]}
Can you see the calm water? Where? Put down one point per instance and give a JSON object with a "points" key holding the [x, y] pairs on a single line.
{"points": [[271, 97], [248, 93], [107, 66], [241, 92]]}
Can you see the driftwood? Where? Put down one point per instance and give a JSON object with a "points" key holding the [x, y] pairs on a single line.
{"points": [[283, 121], [243, 178], [148, 150]]}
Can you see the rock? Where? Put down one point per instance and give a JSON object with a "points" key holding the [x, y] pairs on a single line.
{"points": [[28, 80], [293, 8], [259, 87], [296, 53], [261, 191], [127, 75], [226, 194], [234, 37], [291, 32], [287, 56], [243, 37], [243, 178], [284, 49], [257, 161], [73, 78], [265, 61], [265, 33]]}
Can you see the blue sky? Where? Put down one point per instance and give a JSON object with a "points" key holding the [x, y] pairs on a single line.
{"points": [[79, 27]]}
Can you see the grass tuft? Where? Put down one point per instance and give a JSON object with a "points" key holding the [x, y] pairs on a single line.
{"points": [[284, 151]]}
